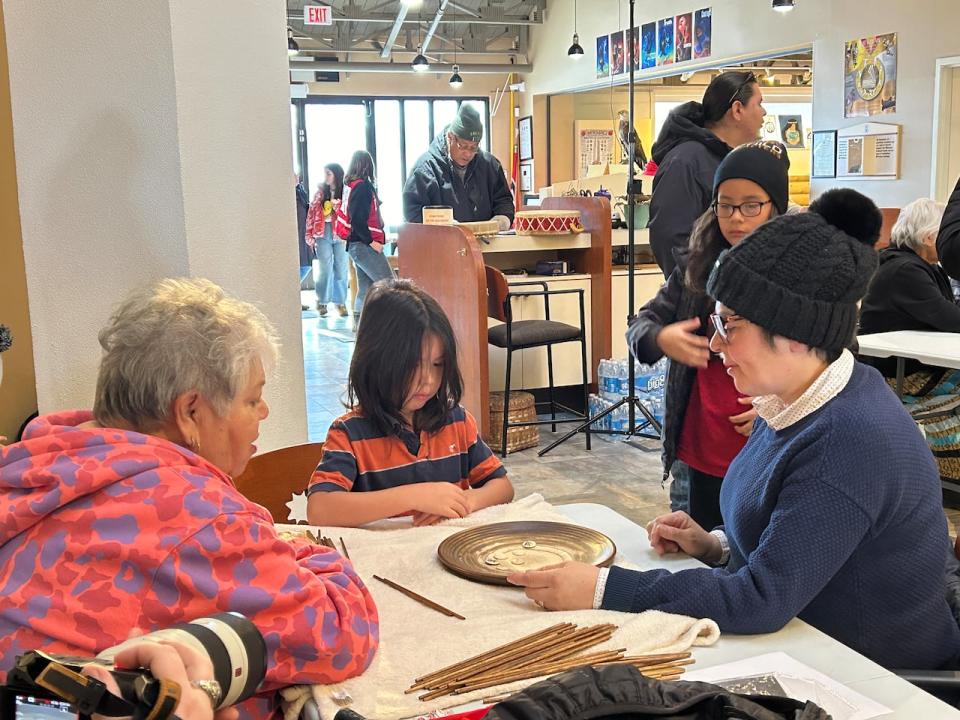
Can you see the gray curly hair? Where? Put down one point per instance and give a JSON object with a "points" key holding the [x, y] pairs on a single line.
{"points": [[174, 336]]}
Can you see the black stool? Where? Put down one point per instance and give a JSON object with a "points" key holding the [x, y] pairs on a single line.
{"points": [[522, 334]]}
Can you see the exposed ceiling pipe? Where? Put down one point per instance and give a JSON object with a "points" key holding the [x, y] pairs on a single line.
{"points": [[389, 67], [433, 26], [395, 30], [389, 19]]}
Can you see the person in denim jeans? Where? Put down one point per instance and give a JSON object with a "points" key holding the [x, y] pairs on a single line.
{"points": [[331, 250], [359, 221]]}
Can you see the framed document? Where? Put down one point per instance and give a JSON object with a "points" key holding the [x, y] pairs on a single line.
{"points": [[525, 127], [824, 163], [526, 176]]}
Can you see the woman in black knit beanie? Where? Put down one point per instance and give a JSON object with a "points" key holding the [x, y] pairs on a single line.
{"points": [[832, 509]]}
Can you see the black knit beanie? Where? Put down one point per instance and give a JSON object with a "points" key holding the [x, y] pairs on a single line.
{"points": [[800, 276], [765, 162]]}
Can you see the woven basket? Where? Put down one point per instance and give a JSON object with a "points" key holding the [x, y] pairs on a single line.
{"points": [[522, 409]]}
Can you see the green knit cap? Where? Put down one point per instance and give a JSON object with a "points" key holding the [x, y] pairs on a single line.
{"points": [[467, 125]]}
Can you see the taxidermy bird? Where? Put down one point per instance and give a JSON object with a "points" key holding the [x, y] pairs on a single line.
{"points": [[626, 134]]}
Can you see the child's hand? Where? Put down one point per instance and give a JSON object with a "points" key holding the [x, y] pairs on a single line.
{"points": [[679, 341], [446, 500], [421, 519]]}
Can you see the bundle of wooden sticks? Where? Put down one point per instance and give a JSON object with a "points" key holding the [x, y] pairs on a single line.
{"points": [[319, 539], [557, 649]]}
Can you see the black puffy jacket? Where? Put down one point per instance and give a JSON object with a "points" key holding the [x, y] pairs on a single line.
{"points": [[672, 303], [620, 691], [482, 193], [687, 155]]}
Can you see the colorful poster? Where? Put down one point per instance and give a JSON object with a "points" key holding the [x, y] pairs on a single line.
{"points": [[617, 53], [683, 31], [648, 45], [595, 149], [702, 32], [665, 41], [635, 33], [603, 56], [791, 130], [870, 76]]}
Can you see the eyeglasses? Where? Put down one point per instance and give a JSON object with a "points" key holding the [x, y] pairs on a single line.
{"points": [[751, 78], [747, 209], [720, 325], [466, 146]]}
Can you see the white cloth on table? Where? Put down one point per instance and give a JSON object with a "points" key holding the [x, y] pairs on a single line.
{"points": [[415, 640]]}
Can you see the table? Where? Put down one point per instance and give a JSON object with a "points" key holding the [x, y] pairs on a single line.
{"points": [[797, 638], [928, 346]]}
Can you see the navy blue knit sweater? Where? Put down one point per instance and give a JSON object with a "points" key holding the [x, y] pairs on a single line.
{"points": [[837, 519]]}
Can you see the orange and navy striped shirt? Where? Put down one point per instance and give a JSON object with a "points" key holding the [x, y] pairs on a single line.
{"points": [[358, 457]]}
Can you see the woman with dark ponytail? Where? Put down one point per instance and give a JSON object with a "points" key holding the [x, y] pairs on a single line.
{"points": [[694, 139]]}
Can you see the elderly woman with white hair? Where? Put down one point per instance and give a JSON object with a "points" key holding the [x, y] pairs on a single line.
{"points": [[126, 518], [912, 292]]}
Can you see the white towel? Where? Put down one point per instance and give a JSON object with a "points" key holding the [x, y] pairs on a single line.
{"points": [[415, 640]]}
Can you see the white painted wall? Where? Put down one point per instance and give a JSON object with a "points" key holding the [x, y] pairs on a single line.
{"points": [[747, 28], [152, 139]]}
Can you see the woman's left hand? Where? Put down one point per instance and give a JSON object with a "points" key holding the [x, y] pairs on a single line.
{"points": [[377, 246], [567, 586], [743, 423]]}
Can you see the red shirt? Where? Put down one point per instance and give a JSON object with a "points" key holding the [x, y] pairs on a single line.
{"points": [[708, 440]]}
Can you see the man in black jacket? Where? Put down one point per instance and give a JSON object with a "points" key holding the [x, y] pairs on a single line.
{"points": [[948, 240], [457, 173], [693, 141]]}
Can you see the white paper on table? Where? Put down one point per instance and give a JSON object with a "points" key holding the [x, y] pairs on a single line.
{"points": [[800, 682]]}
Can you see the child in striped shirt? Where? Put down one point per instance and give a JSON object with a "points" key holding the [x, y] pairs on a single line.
{"points": [[407, 447]]}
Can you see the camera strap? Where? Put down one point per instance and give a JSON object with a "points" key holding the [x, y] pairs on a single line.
{"points": [[155, 699]]}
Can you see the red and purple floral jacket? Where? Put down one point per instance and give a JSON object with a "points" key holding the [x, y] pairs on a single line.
{"points": [[103, 531]]}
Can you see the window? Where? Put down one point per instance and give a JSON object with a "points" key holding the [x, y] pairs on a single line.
{"points": [[334, 133], [296, 140], [396, 131], [390, 175], [416, 124]]}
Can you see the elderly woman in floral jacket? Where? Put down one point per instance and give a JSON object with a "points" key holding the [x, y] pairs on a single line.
{"points": [[127, 518]]}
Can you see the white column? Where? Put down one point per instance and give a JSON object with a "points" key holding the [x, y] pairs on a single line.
{"points": [[152, 138]]}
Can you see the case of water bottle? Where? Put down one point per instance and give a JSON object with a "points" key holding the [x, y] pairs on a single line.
{"points": [[649, 384]]}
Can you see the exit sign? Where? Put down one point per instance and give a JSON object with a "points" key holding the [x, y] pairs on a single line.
{"points": [[317, 15]]}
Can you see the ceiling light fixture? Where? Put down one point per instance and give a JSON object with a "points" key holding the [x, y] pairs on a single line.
{"points": [[420, 63], [576, 50], [783, 6], [456, 82], [293, 48], [411, 3]]}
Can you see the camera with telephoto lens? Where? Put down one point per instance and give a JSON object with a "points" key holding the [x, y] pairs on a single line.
{"points": [[50, 686]]}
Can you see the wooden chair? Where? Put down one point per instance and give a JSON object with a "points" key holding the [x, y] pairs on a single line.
{"points": [[273, 478], [516, 335], [890, 216]]}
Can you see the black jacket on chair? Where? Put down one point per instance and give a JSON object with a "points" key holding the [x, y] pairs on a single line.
{"points": [[907, 293], [948, 241]]}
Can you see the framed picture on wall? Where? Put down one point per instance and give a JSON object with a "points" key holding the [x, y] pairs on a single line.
{"points": [[525, 130], [824, 145], [526, 177]]}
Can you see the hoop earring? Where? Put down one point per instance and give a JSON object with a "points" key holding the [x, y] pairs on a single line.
{"points": [[195, 445]]}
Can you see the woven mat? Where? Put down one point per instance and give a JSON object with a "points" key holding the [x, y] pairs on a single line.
{"points": [[415, 640]]}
